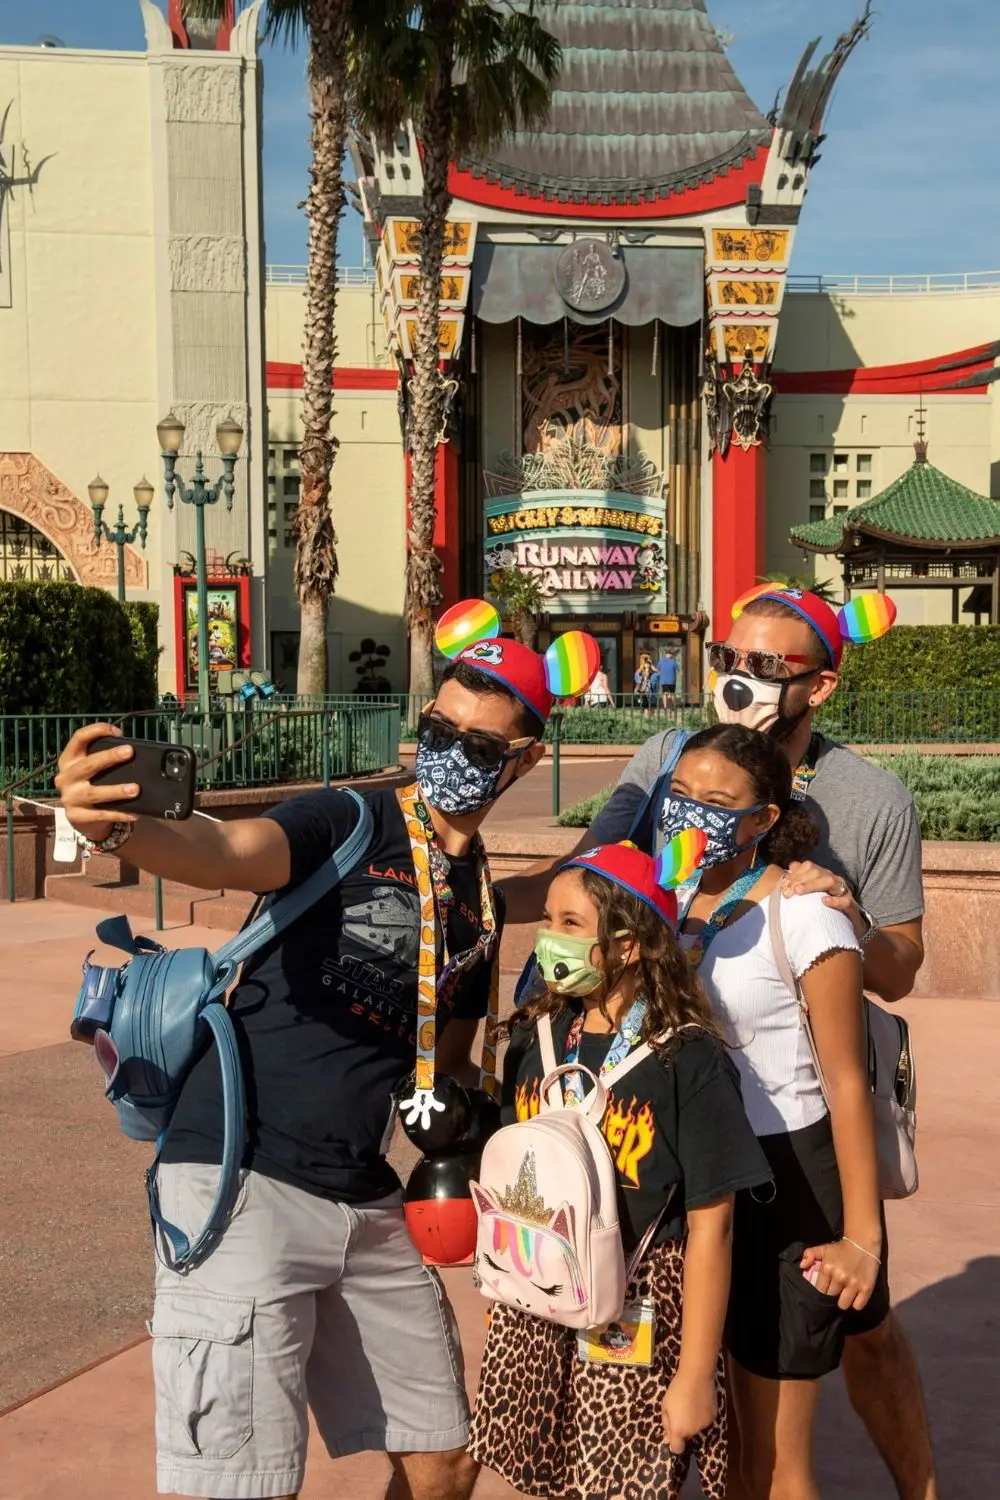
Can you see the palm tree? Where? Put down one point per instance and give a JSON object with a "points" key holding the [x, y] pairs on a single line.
{"points": [[519, 595], [805, 582], [327, 24], [467, 73]]}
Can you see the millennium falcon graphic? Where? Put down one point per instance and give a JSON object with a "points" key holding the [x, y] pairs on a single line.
{"points": [[389, 923]]}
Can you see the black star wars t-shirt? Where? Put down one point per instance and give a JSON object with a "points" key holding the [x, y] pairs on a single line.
{"points": [[679, 1121], [326, 1014]]}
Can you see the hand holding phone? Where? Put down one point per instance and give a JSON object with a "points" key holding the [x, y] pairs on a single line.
{"points": [[164, 775]]}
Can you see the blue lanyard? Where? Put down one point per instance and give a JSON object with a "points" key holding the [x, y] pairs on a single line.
{"points": [[628, 1036], [738, 891]]}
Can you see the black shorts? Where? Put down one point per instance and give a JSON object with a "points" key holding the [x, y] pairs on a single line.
{"points": [[778, 1325]]}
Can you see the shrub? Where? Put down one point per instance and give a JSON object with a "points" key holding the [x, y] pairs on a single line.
{"points": [[71, 650], [925, 658], [957, 798]]}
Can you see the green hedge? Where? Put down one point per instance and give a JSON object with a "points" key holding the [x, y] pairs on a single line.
{"points": [[926, 658], [72, 650], [957, 797]]}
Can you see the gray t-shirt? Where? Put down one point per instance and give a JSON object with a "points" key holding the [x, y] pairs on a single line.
{"points": [[869, 832]]}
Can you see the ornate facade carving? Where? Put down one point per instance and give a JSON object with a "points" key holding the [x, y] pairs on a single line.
{"points": [[737, 408], [570, 389], [29, 489], [207, 263], [203, 93], [200, 420]]}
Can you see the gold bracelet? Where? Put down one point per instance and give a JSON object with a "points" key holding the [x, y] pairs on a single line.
{"points": [[871, 1256]]}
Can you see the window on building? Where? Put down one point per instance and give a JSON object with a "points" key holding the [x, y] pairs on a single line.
{"points": [[817, 489], [841, 510], [864, 489], [289, 538], [817, 512], [864, 463], [840, 463], [841, 489], [291, 506], [817, 463], [290, 484]]}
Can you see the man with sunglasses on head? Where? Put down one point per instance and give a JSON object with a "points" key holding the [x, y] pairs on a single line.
{"points": [[774, 671], [315, 1296]]}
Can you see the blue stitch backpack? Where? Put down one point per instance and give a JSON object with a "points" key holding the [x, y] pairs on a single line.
{"points": [[149, 1019]]}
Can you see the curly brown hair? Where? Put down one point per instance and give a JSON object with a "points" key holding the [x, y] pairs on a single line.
{"points": [[674, 997]]}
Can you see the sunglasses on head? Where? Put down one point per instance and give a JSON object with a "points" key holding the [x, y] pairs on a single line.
{"points": [[487, 751], [766, 666]]}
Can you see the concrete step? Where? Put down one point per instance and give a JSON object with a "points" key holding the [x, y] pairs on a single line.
{"points": [[182, 904]]}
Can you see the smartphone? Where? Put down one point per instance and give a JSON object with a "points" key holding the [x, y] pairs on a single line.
{"points": [[165, 775]]}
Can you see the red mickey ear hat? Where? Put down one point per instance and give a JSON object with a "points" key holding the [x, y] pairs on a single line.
{"points": [[865, 618], [652, 880], [469, 632]]}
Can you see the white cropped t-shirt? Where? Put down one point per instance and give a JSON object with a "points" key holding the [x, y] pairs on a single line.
{"points": [[758, 1015]]}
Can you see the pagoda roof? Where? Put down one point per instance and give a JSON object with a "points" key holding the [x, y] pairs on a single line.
{"points": [[646, 105], [922, 508]]}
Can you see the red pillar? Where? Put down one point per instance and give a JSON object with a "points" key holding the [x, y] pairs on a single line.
{"points": [[445, 517], [739, 495]]}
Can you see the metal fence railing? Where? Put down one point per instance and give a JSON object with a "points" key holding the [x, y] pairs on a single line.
{"points": [[270, 743], [870, 716]]}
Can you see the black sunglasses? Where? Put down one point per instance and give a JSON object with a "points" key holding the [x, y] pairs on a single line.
{"points": [[487, 751]]}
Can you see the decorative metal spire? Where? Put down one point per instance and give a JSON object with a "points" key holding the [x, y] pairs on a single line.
{"points": [[920, 446]]}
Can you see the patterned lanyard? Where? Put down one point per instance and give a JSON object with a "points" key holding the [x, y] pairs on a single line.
{"points": [[628, 1036], [737, 892], [430, 866], [804, 773]]}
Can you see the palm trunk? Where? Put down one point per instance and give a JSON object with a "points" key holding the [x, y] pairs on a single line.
{"points": [[423, 588], [316, 549]]}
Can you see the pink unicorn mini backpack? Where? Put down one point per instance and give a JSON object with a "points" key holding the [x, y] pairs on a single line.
{"points": [[548, 1239]]}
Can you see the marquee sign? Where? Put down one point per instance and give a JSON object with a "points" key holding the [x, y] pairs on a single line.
{"points": [[590, 550]]}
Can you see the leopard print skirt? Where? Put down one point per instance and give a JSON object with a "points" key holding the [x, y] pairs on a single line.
{"points": [[552, 1425]]}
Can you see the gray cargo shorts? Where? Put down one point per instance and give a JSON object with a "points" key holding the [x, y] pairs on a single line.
{"points": [[304, 1304]]}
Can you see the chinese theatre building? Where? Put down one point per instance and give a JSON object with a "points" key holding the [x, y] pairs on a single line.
{"points": [[610, 303]]}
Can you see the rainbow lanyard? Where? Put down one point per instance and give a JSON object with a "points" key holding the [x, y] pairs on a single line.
{"points": [[628, 1035], [804, 773], [737, 892], [434, 894]]}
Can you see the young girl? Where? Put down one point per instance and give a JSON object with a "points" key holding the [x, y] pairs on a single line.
{"points": [[551, 1423], [807, 1267]]}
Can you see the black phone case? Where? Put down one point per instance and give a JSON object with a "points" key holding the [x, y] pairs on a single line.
{"points": [[160, 796]]}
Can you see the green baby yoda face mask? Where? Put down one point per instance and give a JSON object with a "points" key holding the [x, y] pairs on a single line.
{"points": [[566, 965]]}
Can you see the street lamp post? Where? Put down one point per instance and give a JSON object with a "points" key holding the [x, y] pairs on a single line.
{"points": [[120, 535], [229, 436]]}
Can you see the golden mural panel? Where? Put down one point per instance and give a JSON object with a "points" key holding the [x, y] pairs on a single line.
{"points": [[749, 293], [737, 338], [759, 245], [453, 287], [403, 240]]}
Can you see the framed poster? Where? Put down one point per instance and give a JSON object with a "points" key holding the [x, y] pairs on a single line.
{"points": [[228, 628]]}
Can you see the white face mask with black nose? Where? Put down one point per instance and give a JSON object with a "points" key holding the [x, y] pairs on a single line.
{"points": [[747, 701]]}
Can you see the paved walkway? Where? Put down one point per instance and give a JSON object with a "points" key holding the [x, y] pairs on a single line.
{"points": [[75, 1263]]}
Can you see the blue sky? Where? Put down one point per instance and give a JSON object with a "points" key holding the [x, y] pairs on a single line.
{"points": [[909, 179]]}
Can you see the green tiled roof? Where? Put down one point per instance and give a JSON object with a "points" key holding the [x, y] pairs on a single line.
{"points": [[922, 505], [646, 102]]}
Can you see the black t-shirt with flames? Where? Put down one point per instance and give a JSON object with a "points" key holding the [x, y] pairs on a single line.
{"points": [[325, 1015], [672, 1121]]}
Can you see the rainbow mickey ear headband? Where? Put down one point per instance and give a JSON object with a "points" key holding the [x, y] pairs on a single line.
{"points": [[652, 880], [864, 619], [470, 632]]}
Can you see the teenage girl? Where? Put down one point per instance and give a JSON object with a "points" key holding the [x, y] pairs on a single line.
{"points": [[807, 1253], [551, 1422]]}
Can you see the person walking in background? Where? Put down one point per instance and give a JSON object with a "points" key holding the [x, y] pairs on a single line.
{"points": [[666, 673], [644, 683], [598, 695]]}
